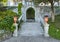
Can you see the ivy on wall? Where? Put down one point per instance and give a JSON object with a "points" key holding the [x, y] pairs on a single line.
{"points": [[19, 8]]}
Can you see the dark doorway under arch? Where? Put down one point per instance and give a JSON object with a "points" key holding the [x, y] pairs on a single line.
{"points": [[30, 13]]}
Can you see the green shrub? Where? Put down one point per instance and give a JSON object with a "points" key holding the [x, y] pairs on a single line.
{"points": [[6, 20], [13, 27], [54, 30], [19, 8]]}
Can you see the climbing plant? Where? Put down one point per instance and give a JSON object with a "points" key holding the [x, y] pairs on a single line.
{"points": [[4, 2], [19, 8]]}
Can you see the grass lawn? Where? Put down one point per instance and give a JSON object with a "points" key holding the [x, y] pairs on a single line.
{"points": [[54, 30]]}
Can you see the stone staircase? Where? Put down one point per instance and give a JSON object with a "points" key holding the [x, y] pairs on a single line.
{"points": [[30, 20], [31, 29]]}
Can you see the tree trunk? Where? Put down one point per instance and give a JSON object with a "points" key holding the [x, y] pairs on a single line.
{"points": [[52, 9], [58, 2], [53, 16]]}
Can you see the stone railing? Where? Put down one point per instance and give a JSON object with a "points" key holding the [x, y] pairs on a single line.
{"points": [[20, 18], [16, 25], [45, 26]]}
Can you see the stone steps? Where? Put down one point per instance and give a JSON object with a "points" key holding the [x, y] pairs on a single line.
{"points": [[31, 29]]}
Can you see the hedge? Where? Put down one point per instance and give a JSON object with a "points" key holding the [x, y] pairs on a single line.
{"points": [[6, 20]]}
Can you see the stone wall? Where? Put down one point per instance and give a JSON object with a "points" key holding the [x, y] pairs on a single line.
{"points": [[37, 13]]}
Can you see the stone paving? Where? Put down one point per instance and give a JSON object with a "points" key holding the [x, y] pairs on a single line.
{"points": [[29, 37], [31, 29]]}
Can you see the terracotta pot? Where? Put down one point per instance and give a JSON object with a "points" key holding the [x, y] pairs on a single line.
{"points": [[15, 19], [46, 19]]}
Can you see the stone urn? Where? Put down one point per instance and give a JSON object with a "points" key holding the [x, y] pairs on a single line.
{"points": [[16, 25], [46, 26]]}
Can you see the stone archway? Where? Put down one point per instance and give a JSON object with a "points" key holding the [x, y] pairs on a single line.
{"points": [[30, 13], [36, 14]]}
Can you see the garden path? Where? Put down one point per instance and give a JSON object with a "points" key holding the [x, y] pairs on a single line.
{"points": [[31, 32], [31, 29]]}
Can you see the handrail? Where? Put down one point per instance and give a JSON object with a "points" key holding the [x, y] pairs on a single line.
{"points": [[20, 18], [17, 26], [45, 27], [41, 20]]}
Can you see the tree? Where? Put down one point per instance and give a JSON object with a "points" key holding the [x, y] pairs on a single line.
{"points": [[0, 0], [4, 2], [52, 7], [52, 10], [39, 1]]}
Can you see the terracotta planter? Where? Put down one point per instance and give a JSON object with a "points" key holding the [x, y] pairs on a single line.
{"points": [[15, 19], [46, 19]]}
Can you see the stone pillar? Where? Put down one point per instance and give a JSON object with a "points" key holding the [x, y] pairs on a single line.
{"points": [[16, 26], [36, 14], [23, 2], [16, 30], [46, 28]]}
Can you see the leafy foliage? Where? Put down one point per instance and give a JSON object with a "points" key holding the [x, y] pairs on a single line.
{"points": [[6, 20], [52, 7], [19, 8], [0, 0], [39, 1], [5, 0], [54, 30], [13, 28]]}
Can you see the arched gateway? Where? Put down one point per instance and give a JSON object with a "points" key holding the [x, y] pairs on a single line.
{"points": [[30, 12]]}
